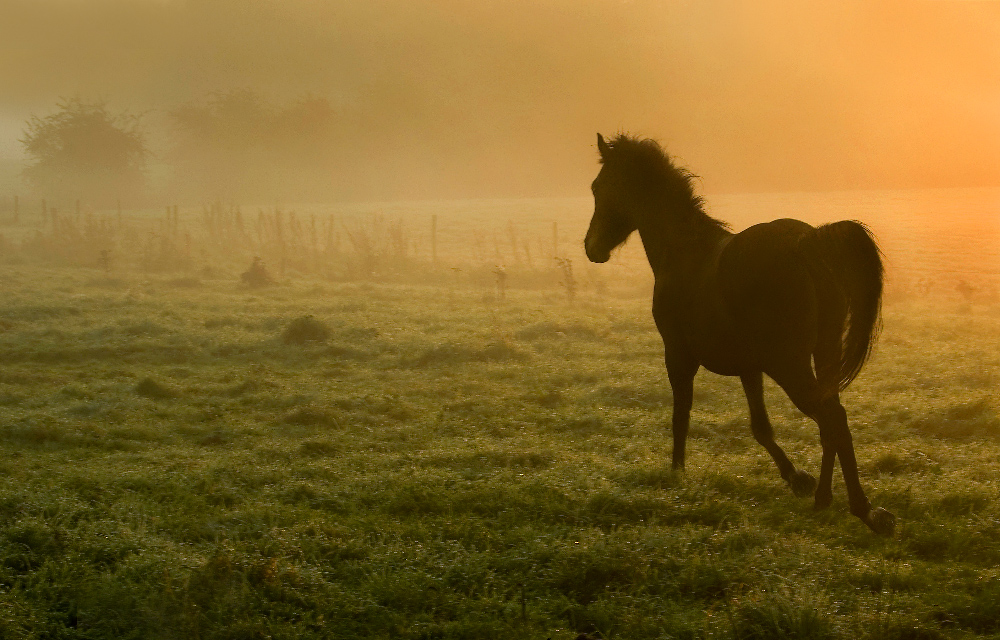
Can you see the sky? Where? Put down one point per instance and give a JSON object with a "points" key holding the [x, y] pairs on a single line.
{"points": [[489, 98]]}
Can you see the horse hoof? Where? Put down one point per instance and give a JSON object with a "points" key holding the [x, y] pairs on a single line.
{"points": [[823, 501], [881, 521], [803, 485]]}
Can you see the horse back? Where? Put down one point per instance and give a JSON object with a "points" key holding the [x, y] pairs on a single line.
{"points": [[769, 289]]}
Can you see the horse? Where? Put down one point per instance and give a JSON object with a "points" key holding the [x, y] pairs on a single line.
{"points": [[798, 303]]}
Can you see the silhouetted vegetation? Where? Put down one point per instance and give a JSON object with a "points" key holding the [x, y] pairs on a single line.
{"points": [[257, 275], [83, 150]]}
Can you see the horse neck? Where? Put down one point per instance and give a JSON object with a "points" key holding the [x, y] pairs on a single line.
{"points": [[676, 241]]}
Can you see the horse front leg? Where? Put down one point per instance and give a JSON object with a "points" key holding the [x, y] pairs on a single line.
{"points": [[681, 373]]}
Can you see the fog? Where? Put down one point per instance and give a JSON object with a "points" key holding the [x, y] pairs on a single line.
{"points": [[452, 99]]}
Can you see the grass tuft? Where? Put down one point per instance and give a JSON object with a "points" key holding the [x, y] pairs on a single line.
{"points": [[962, 421], [555, 331], [911, 632], [318, 449], [451, 353], [775, 617], [309, 416], [304, 330], [662, 477], [150, 388]]}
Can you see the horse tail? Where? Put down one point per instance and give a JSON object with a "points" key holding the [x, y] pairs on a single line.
{"points": [[848, 253]]}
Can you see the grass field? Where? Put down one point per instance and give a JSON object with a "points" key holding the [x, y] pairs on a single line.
{"points": [[180, 461], [378, 445]]}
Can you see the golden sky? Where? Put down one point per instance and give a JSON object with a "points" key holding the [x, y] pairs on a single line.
{"points": [[503, 97]]}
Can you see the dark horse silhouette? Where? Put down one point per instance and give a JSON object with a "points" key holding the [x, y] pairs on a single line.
{"points": [[776, 298]]}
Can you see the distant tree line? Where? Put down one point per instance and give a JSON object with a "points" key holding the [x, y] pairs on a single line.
{"points": [[234, 146], [85, 151]]}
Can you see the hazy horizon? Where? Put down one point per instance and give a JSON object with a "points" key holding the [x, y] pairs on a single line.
{"points": [[495, 99]]}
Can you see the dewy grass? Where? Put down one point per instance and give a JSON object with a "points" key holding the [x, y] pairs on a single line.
{"points": [[436, 464]]}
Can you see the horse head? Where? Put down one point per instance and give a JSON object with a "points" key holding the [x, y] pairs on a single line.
{"points": [[611, 224]]}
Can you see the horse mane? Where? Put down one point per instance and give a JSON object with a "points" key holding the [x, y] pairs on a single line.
{"points": [[656, 172]]}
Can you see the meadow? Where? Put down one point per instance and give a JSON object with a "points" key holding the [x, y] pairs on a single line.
{"points": [[404, 442]]}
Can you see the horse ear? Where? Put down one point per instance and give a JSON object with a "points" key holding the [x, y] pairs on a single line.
{"points": [[603, 146]]}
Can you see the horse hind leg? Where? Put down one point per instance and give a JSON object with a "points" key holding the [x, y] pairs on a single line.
{"points": [[833, 418], [802, 484], [806, 393], [827, 360], [824, 492]]}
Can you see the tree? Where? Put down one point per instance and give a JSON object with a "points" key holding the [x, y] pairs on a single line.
{"points": [[83, 151]]}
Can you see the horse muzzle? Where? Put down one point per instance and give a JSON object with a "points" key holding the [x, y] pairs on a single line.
{"points": [[594, 254]]}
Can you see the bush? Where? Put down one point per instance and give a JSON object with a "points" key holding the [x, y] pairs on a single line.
{"points": [[83, 149]]}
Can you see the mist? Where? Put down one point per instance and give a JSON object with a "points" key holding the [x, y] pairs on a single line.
{"points": [[448, 99]]}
